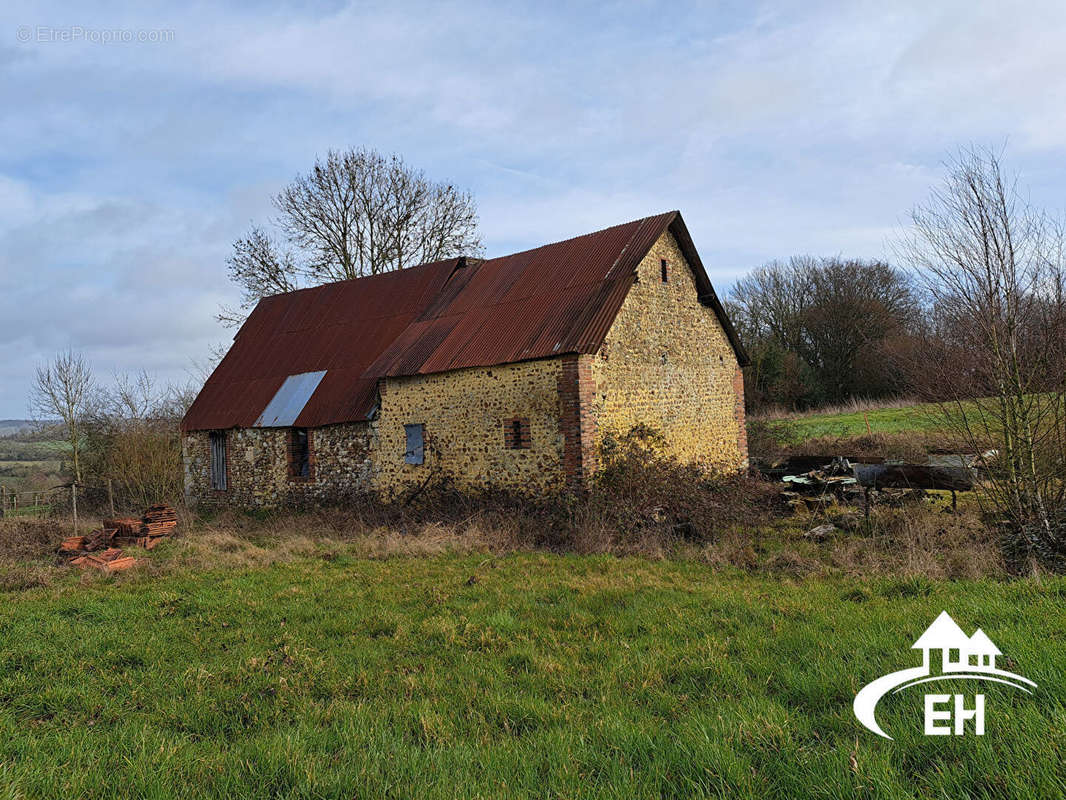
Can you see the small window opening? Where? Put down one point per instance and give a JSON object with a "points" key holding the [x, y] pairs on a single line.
{"points": [[516, 434], [300, 453], [664, 269], [415, 443], [218, 460]]}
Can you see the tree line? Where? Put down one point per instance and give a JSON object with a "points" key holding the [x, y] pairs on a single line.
{"points": [[976, 324]]}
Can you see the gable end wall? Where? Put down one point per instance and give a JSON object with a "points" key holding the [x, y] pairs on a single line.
{"points": [[667, 363]]}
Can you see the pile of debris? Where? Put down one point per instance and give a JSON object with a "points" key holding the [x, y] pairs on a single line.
{"points": [[815, 482], [102, 548]]}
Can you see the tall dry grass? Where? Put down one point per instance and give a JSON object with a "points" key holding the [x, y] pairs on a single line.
{"points": [[855, 405]]}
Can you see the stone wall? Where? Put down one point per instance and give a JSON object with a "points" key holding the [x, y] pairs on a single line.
{"points": [[464, 413], [258, 466], [668, 364]]}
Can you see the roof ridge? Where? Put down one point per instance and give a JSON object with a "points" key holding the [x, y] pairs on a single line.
{"points": [[639, 220], [471, 260], [385, 274]]}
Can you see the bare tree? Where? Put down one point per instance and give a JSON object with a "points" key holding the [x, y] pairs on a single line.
{"points": [[833, 315], [62, 390], [993, 268], [257, 266], [356, 213]]}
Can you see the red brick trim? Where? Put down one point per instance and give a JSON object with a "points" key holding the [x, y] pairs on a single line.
{"points": [[576, 420], [516, 435]]}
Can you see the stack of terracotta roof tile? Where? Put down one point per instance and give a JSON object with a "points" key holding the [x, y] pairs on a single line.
{"points": [[111, 560], [102, 548], [158, 521], [95, 551]]}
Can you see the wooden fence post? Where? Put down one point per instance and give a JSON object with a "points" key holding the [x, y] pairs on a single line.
{"points": [[74, 505]]}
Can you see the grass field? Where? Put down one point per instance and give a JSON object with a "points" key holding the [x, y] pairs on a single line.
{"points": [[919, 417], [531, 675]]}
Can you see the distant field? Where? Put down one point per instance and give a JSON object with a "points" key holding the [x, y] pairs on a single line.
{"points": [[531, 675], [22, 459], [920, 417], [22, 450]]}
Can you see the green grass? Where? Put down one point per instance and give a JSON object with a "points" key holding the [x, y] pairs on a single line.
{"points": [[920, 417], [544, 676], [38, 510]]}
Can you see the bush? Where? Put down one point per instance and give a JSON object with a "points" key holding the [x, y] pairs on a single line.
{"points": [[770, 438], [641, 496], [28, 539]]}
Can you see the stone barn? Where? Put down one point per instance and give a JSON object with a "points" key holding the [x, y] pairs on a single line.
{"points": [[508, 372]]}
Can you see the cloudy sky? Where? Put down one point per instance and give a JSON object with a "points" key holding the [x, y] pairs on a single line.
{"points": [[128, 167]]}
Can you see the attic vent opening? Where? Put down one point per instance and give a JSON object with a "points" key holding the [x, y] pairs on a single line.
{"points": [[664, 269]]}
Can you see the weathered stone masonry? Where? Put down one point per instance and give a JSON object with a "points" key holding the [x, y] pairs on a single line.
{"points": [[257, 466], [667, 364], [465, 413]]}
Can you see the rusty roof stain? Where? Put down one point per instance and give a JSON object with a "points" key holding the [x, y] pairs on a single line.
{"points": [[556, 299]]}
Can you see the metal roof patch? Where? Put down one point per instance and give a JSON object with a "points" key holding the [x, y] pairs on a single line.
{"points": [[289, 400]]}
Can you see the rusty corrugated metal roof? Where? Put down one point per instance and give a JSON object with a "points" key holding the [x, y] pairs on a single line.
{"points": [[559, 298]]}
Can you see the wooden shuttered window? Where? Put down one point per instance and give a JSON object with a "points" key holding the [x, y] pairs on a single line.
{"points": [[218, 460], [299, 453]]}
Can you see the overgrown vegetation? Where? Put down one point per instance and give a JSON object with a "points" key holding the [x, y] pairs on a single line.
{"points": [[656, 510]]}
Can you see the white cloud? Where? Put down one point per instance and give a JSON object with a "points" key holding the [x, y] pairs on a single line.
{"points": [[776, 128]]}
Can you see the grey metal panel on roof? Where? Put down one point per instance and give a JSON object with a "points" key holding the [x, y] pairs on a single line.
{"points": [[289, 400]]}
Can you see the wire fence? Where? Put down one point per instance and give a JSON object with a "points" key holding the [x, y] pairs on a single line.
{"points": [[64, 500]]}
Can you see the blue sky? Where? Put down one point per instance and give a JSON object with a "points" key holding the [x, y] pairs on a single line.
{"points": [[127, 168]]}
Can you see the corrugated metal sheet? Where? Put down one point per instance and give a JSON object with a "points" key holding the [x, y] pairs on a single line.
{"points": [[560, 298], [289, 400]]}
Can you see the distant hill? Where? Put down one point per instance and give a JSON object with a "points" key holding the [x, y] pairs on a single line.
{"points": [[9, 427]]}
